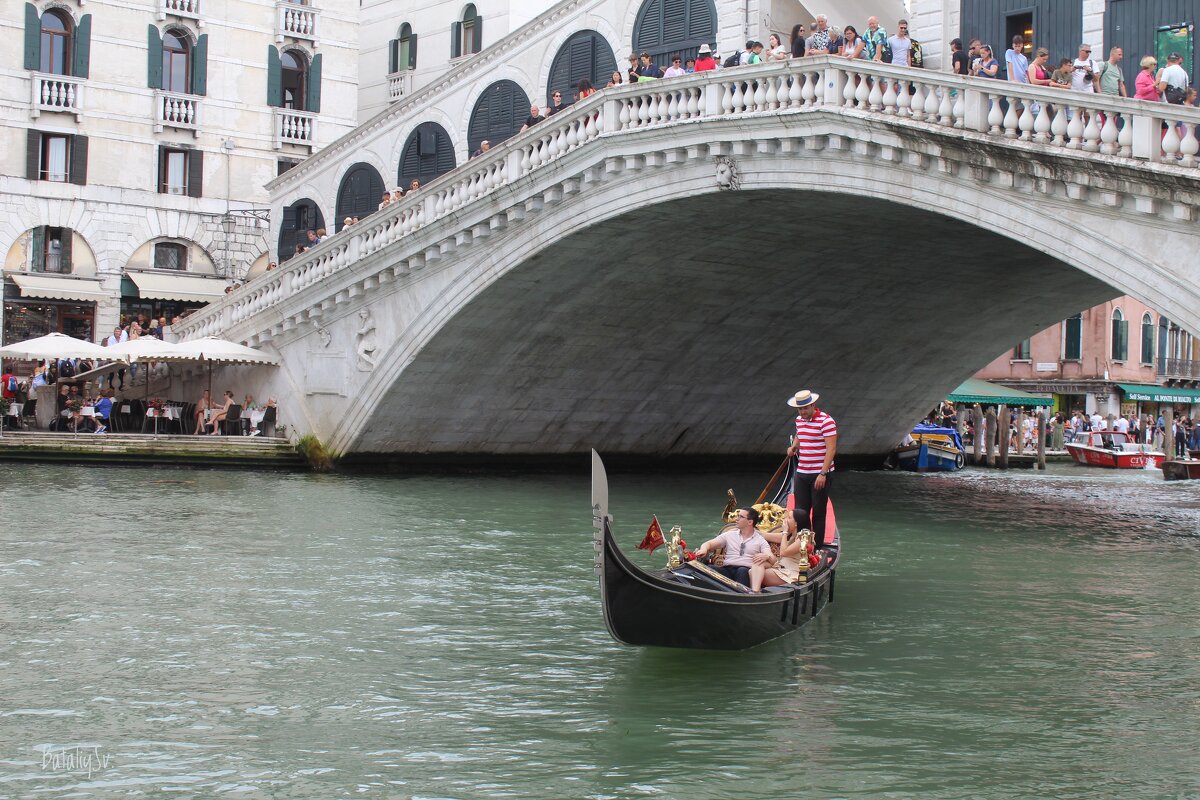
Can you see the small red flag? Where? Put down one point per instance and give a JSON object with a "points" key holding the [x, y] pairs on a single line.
{"points": [[654, 537]]}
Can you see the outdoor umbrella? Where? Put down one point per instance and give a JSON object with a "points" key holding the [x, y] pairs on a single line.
{"points": [[54, 345], [220, 351]]}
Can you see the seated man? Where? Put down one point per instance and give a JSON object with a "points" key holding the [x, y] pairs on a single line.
{"points": [[741, 545], [104, 410]]}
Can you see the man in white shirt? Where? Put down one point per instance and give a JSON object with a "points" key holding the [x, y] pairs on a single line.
{"points": [[901, 45], [1121, 425], [740, 546], [1173, 80], [1097, 421], [1083, 72]]}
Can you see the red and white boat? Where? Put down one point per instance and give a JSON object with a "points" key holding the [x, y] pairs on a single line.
{"points": [[1113, 449]]}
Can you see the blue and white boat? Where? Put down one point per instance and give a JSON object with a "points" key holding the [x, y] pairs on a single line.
{"points": [[930, 448]]}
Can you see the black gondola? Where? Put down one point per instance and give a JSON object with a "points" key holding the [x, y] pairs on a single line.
{"points": [[685, 606]]}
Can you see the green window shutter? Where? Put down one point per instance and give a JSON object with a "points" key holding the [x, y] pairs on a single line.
{"points": [[478, 43], [393, 56], [33, 38], [33, 156], [154, 74], [195, 168], [313, 101], [37, 249], [79, 160], [200, 66], [158, 176], [1124, 339], [412, 51], [274, 77], [456, 40], [65, 254], [83, 47]]}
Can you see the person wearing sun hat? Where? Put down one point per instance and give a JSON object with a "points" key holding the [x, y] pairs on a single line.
{"points": [[814, 446]]}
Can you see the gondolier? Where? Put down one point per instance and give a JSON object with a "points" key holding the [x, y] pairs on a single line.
{"points": [[814, 447]]}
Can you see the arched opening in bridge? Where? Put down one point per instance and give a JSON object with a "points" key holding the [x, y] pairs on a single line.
{"points": [[299, 218], [359, 194], [673, 27], [427, 154], [497, 115], [585, 56]]}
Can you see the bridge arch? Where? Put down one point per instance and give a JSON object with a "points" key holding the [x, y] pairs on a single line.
{"points": [[584, 55], [428, 152], [498, 114], [667, 27], [359, 193]]}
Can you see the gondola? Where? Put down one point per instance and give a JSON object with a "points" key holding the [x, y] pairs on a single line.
{"points": [[693, 607]]}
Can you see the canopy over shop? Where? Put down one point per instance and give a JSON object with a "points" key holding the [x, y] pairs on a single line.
{"points": [[974, 390], [38, 303], [159, 294]]}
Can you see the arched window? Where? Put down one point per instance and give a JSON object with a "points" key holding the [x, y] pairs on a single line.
{"points": [[1147, 338], [427, 154], [403, 52], [176, 62], [497, 115], [585, 56], [299, 218], [1073, 338], [170, 255], [1120, 336], [466, 35], [359, 193], [56, 43], [670, 27], [293, 80]]}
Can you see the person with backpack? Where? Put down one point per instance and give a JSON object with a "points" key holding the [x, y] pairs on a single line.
{"points": [[1172, 80]]}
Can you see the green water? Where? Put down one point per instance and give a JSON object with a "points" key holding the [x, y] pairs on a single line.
{"points": [[203, 634]]}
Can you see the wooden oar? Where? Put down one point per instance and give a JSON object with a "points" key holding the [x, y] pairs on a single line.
{"points": [[779, 472]]}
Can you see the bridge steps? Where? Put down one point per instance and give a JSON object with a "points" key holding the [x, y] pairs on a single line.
{"points": [[235, 452]]}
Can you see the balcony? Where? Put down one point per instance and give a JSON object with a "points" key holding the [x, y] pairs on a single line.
{"points": [[295, 127], [184, 9], [173, 110], [57, 93], [399, 85], [1179, 369], [296, 21]]}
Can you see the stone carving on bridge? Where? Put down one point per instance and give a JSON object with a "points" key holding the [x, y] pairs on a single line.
{"points": [[323, 334], [727, 174], [366, 344]]}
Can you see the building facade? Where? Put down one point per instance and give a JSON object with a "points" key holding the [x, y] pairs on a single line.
{"points": [[1138, 27], [136, 142], [1093, 360]]}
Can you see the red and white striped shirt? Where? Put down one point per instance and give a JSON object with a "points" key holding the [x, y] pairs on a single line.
{"points": [[810, 441]]}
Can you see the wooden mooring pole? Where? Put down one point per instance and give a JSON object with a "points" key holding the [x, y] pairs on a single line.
{"points": [[1004, 434], [1169, 433], [991, 437], [1041, 442], [977, 441]]}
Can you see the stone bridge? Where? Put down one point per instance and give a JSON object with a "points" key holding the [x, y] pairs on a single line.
{"points": [[655, 270]]}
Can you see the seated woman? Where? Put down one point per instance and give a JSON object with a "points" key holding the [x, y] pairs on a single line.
{"points": [[202, 405], [220, 412], [771, 570]]}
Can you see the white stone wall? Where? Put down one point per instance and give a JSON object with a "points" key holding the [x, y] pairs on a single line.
{"points": [[119, 210]]}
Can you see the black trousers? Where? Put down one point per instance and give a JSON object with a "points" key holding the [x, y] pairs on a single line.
{"points": [[811, 501], [739, 574]]}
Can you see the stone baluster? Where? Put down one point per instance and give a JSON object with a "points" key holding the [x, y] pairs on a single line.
{"points": [[1189, 145], [1011, 119], [795, 92], [935, 101], [809, 91], [862, 92], [623, 116], [1075, 129], [760, 95], [916, 101], [643, 111], [1125, 136], [1108, 134], [959, 109], [1041, 125], [694, 103], [1170, 142], [1025, 121], [875, 95], [850, 92], [889, 97], [1058, 128], [995, 115], [1091, 132]]}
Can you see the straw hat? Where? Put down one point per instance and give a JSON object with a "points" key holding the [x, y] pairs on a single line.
{"points": [[705, 49], [803, 398]]}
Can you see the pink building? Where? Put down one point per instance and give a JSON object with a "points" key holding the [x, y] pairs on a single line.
{"points": [[1120, 357]]}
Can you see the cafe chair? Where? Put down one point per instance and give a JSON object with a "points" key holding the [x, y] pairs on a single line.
{"points": [[232, 424]]}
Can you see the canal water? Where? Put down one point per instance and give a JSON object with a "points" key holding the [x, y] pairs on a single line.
{"points": [[200, 634]]}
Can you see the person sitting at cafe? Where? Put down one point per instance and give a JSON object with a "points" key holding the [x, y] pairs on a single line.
{"points": [[741, 545], [104, 410], [220, 413], [202, 405]]}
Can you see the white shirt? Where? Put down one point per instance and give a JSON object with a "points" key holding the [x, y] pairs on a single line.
{"points": [[738, 556], [1096, 419], [1176, 76], [1121, 425], [1079, 81], [674, 72]]}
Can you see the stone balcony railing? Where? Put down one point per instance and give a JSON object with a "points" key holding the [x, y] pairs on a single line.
{"points": [[174, 110], [1014, 121], [297, 22], [57, 93], [184, 9], [294, 127], [399, 85], [1180, 368]]}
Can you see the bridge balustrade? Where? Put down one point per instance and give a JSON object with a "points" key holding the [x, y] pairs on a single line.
{"points": [[1024, 118]]}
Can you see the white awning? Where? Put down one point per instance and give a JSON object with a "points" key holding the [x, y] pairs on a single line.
{"points": [[54, 287], [191, 288]]}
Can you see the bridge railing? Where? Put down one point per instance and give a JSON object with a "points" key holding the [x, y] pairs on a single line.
{"points": [[1030, 117]]}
